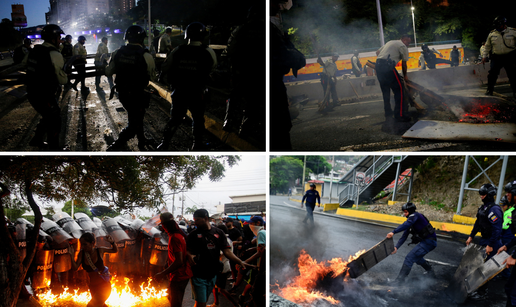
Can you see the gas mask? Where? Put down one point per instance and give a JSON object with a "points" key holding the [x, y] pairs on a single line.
{"points": [[255, 229]]}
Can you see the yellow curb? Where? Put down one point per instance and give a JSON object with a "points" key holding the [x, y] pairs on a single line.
{"points": [[330, 207], [459, 219], [464, 229], [390, 202], [295, 199]]}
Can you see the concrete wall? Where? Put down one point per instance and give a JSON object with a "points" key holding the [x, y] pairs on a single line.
{"points": [[433, 79]]}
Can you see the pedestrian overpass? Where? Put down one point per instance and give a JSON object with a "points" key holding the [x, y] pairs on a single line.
{"points": [[373, 173]]}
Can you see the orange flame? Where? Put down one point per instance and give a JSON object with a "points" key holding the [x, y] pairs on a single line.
{"points": [[300, 289], [121, 295]]}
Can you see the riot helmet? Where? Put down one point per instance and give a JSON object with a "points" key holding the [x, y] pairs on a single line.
{"points": [[135, 34], [511, 188], [499, 23], [168, 30], [155, 33], [424, 47], [312, 185], [504, 201], [68, 37], [410, 207], [487, 189], [355, 52], [51, 32], [104, 39], [195, 31], [27, 41], [81, 38]]}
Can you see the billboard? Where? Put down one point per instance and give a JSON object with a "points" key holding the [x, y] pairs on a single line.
{"points": [[18, 15]]}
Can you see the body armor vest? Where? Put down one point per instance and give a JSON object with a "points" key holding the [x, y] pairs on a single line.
{"points": [[131, 69], [191, 66], [67, 51], [41, 77], [486, 228], [424, 233]]}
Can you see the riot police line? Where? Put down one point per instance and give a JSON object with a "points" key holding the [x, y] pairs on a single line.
{"points": [[142, 248]]}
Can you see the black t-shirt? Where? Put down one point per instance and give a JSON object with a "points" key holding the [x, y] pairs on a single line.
{"points": [[248, 233], [234, 234], [206, 245]]}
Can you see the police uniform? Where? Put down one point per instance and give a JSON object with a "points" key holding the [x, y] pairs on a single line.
{"points": [[187, 69], [80, 64], [44, 75], [328, 79], [356, 66], [423, 234], [134, 68], [489, 222], [311, 196], [500, 47], [389, 55], [102, 62], [67, 50], [431, 58], [165, 44]]}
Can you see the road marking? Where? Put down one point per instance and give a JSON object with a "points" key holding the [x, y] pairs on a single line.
{"points": [[441, 263]]}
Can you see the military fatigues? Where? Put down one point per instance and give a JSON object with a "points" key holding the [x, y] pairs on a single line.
{"points": [[44, 76], [80, 64], [187, 69], [100, 62], [165, 44], [500, 47], [328, 82], [390, 54], [356, 66], [311, 196], [134, 68]]}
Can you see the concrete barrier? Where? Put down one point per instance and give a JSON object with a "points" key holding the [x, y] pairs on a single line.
{"points": [[330, 207], [459, 219], [433, 79]]}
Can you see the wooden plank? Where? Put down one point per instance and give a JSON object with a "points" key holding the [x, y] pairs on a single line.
{"points": [[471, 260], [485, 272], [453, 131]]}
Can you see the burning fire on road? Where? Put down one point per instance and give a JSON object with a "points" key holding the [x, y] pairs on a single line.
{"points": [[306, 288], [121, 295]]}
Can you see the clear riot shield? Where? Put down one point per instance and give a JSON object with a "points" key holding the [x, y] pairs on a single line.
{"points": [[42, 275], [85, 222], [53, 230]]}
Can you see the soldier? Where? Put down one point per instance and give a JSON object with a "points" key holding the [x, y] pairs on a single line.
{"points": [[356, 66], [423, 234], [21, 51], [455, 57], [101, 63], [329, 80], [187, 69], [134, 68], [80, 63], [430, 58], [500, 46], [44, 75], [388, 56], [165, 44]]}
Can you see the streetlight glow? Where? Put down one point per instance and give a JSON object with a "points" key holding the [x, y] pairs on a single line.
{"points": [[413, 23]]}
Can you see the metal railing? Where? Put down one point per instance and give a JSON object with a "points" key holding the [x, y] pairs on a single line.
{"points": [[353, 190]]}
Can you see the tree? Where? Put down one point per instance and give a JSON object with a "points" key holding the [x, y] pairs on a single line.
{"points": [[78, 206], [10, 37], [125, 182], [284, 171], [315, 164], [191, 210]]}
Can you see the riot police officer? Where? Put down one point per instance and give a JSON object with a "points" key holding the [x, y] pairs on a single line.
{"points": [[455, 57], [21, 51], [80, 63], [430, 58], [101, 62], [510, 287], [44, 75], [134, 68], [311, 196], [489, 221], [67, 48], [423, 234], [187, 69], [500, 48], [165, 44]]}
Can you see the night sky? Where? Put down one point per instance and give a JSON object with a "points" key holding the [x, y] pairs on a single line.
{"points": [[34, 10]]}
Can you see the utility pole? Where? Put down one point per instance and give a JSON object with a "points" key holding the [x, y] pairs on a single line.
{"points": [[380, 24], [331, 174], [303, 182], [183, 204], [150, 32]]}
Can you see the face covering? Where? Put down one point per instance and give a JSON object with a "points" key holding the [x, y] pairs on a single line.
{"points": [[255, 229]]}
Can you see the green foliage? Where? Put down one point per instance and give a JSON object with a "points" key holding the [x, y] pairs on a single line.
{"points": [[315, 164], [191, 210], [10, 37], [78, 206], [426, 166], [284, 171]]}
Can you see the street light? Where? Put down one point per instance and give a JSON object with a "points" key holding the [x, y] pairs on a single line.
{"points": [[413, 23]]}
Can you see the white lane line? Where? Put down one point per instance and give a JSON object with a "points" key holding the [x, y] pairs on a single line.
{"points": [[441, 263]]}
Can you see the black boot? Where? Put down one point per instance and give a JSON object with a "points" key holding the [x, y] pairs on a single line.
{"points": [[405, 270], [429, 270]]}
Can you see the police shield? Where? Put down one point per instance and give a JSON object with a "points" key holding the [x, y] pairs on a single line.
{"points": [[85, 222], [42, 274], [114, 230], [21, 239], [30, 226], [137, 224], [52, 229], [64, 220], [159, 251]]}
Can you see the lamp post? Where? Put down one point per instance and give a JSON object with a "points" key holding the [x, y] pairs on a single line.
{"points": [[413, 23], [380, 24]]}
